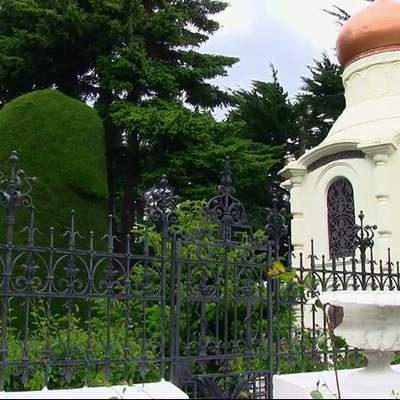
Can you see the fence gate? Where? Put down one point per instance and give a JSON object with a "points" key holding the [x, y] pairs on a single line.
{"points": [[221, 296], [192, 305]]}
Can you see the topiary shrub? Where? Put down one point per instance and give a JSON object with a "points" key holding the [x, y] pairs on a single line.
{"points": [[59, 140]]}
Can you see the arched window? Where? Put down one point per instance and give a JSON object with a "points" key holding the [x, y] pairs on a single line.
{"points": [[341, 219]]}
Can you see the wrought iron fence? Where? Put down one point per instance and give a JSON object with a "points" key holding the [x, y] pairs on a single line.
{"points": [[193, 306], [199, 306]]}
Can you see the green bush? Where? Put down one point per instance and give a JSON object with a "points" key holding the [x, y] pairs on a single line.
{"points": [[92, 339], [59, 140]]}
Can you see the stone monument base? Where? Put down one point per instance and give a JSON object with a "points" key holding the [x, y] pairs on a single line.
{"points": [[300, 386]]}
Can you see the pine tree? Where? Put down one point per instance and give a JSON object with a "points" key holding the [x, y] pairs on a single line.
{"points": [[266, 112], [320, 102], [127, 56], [268, 118], [190, 147]]}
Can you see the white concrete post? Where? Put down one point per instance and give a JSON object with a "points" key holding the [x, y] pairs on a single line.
{"points": [[380, 156], [295, 176]]}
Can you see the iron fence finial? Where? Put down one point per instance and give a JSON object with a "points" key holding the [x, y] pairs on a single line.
{"points": [[161, 202], [15, 190], [364, 237], [276, 227], [226, 179], [226, 209]]}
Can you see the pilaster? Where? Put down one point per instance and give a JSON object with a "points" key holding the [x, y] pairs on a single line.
{"points": [[295, 174], [380, 155]]}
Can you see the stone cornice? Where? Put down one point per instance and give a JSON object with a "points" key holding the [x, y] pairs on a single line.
{"points": [[293, 170], [374, 149], [317, 153], [327, 150], [298, 168]]}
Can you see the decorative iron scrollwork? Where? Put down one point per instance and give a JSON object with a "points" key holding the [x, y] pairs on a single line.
{"points": [[15, 189], [364, 235], [341, 219], [161, 202], [276, 227], [225, 209]]}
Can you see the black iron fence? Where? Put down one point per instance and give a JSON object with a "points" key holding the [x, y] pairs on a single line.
{"points": [[215, 307]]}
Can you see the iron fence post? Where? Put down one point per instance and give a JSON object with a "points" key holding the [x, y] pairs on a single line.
{"points": [[160, 206], [270, 322], [364, 240], [176, 375], [276, 229], [11, 195]]}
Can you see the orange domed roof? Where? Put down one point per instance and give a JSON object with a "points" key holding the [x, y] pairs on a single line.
{"points": [[372, 30]]}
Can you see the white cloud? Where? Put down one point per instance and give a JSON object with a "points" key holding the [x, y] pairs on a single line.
{"points": [[238, 18], [308, 19], [287, 33], [304, 18]]}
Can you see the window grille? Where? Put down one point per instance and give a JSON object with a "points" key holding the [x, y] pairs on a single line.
{"points": [[341, 219]]}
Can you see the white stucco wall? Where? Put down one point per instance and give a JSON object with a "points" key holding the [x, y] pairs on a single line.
{"points": [[370, 124], [316, 185]]}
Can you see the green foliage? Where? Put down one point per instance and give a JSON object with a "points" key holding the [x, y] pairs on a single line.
{"points": [[74, 35], [136, 322], [315, 394], [265, 116], [278, 271], [123, 49], [226, 267], [60, 141], [190, 148], [320, 102], [266, 113], [112, 51], [54, 334]]}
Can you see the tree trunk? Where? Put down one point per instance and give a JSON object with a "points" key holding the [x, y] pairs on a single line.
{"points": [[110, 132], [111, 145], [131, 203]]}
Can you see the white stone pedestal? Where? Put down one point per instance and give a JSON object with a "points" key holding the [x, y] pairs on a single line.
{"points": [[158, 390], [300, 386]]}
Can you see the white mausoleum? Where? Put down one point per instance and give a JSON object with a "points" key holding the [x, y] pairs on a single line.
{"points": [[357, 167]]}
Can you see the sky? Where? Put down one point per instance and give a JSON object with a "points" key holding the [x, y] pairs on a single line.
{"points": [[290, 34]]}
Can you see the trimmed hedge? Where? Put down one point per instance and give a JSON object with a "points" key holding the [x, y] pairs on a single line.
{"points": [[59, 140]]}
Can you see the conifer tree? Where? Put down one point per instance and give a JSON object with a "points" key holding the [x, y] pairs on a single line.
{"points": [[130, 57], [268, 118], [320, 102]]}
